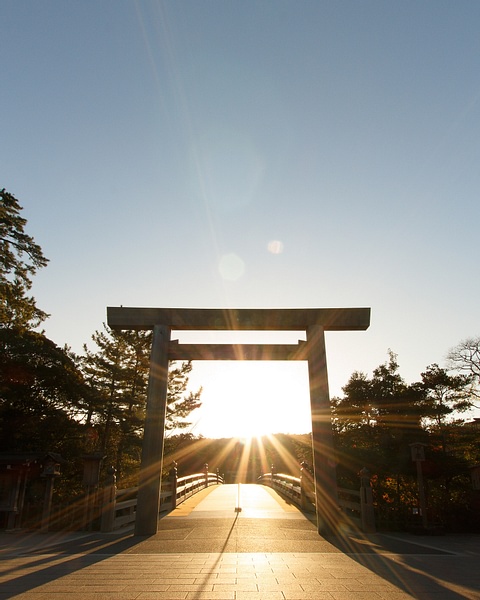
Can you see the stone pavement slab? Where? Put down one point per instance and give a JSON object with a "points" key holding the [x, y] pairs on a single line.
{"points": [[234, 576]]}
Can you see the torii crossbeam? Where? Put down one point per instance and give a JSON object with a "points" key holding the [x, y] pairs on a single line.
{"points": [[314, 321]]}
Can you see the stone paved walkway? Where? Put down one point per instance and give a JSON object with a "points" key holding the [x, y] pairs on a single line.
{"points": [[206, 549]]}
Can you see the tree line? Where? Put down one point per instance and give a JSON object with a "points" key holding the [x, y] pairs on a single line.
{"points": [[379, 418]]}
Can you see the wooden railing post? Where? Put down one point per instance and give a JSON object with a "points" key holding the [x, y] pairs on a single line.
{"points": [[206, 474], [307, 496], [272, 473], [173, 480], [109, 502], [366, 502]]}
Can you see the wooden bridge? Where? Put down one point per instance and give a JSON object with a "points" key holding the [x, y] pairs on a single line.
{"points": [[355, 507]]}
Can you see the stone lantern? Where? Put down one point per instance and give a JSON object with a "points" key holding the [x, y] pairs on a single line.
{"points": [[91, 469]]}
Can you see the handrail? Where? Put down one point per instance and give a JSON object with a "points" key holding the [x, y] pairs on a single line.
{"points": [[191, 484], [119, 513], [286, 484], [356, 505]]}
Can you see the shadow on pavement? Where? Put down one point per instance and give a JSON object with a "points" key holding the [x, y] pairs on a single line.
{"points": [[422, 568], [445, 568], [51, 556]]}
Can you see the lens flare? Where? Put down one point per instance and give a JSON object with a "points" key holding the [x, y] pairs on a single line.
{"points": [[231, 267], [275, 247]]}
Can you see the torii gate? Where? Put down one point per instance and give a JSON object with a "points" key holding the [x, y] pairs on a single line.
{"points": [[314, 321]]}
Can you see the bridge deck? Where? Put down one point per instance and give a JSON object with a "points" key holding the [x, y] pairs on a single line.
{"points": [[205, 550], [255, 501]]}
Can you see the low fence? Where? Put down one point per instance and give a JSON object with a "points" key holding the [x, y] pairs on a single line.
{"points": [[356, 505], [119, 506]]}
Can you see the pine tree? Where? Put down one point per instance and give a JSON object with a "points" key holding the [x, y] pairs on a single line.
{"points": [[118, 370], [41, 390], [20, 258]]}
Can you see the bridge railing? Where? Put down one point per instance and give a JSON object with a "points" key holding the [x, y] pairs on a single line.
{"points": [[191, 484], [119, 506], [356, 505], [285, 484]]}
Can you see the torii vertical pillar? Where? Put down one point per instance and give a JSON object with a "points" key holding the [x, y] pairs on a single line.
{"points": [[325, 479], [148, 502]]}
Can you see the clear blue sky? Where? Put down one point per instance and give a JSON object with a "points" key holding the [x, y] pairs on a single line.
{"points": [[251, 154]]}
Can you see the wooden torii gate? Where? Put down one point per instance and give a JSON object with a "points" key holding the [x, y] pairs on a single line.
{"points": [[314, 321]]}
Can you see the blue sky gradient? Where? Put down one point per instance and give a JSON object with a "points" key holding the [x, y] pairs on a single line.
{"points": [[253, 154]]}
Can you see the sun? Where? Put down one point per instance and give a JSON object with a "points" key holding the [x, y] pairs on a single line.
{"points": [[251, 399]]}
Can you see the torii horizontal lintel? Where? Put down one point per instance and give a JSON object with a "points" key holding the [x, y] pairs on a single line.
{"points": [[178, 351], [234, 319]]}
